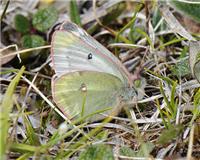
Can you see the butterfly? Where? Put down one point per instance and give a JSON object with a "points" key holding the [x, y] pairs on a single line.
{"points": [[88, 78]]}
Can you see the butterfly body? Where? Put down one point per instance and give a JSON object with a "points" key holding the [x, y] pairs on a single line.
{"points": [[88, 77]]}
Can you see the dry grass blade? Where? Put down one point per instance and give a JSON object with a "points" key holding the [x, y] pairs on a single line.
{"points": [[174, 24], [24, 51]]}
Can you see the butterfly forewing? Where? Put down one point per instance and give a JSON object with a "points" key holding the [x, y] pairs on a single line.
{"points": [[74, 50], [71, 53], [78, 32]]}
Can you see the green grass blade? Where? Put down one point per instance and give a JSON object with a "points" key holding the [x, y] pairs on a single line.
{"points": [[57, 137], [83, 141], [118, 35], [83, 105], [25, 148], [6, 107], [165, 98], [24, 156], [83, 118], [146, 36], [74, 13], [132, 21], [173, 102], [171, 42], [161, 114], [33, 138], [167, 79]]}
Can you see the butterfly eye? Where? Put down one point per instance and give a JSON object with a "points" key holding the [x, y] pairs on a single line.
{"points": [[90, 56], [83, 87]]}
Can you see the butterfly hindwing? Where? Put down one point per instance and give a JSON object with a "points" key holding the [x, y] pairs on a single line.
{"points": [[97, 91]]}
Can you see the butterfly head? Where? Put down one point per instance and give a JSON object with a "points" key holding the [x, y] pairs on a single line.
{"points": [[73, 28], [129, 94]]}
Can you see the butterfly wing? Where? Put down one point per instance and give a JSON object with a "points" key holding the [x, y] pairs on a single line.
{"points": [[88, 77], [74, 50], [96, 91]]}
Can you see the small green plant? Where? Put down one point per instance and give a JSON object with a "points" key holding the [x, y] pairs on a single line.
{"points": [[45, 18], [21, 23], [100, 152], [170, 134], [144, 150], [41, 21], [168, 114], [170, 110], [181, 68], [31, 41]]}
